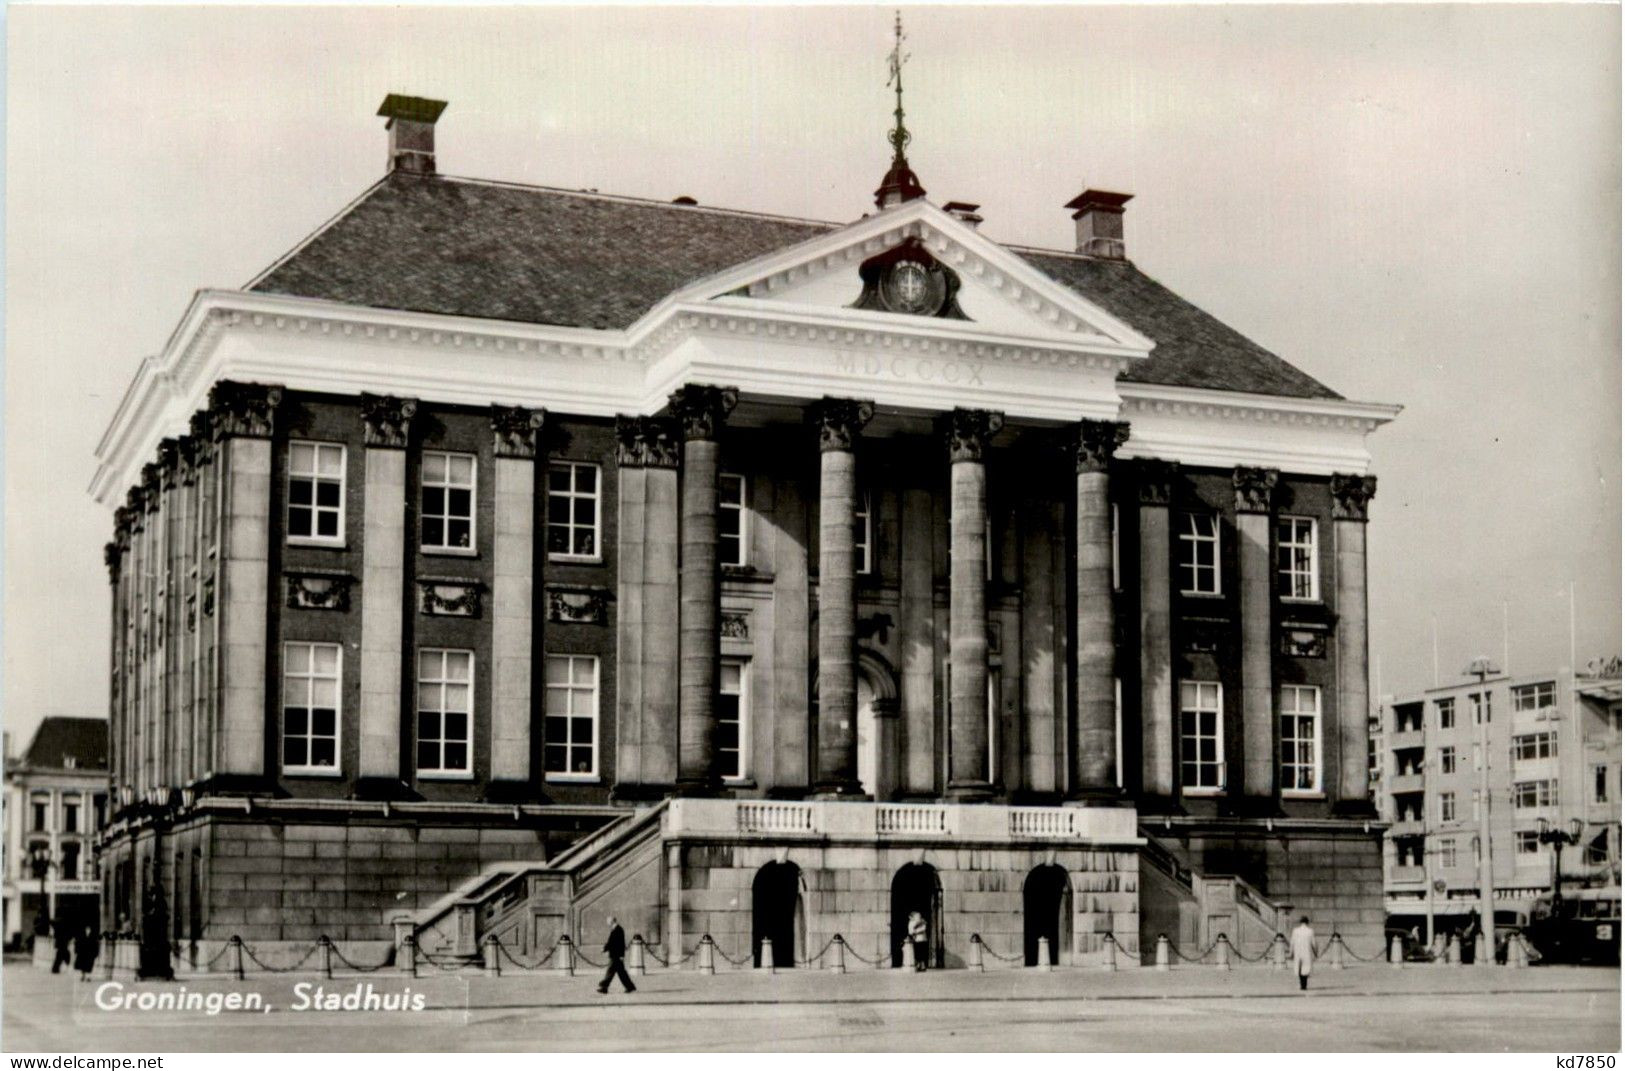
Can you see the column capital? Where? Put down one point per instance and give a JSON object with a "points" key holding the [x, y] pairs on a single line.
{"points": [[514, 430], [387, 419], [1097, 441], [135, 508], [151, 485], [703, 409], [123, 524], [242, 410], [191, 454], [839, 421], [1155, 477], [169, 462], [1255, 489], [1351, 495], [646, 442], [112, 556], [968, 430]]}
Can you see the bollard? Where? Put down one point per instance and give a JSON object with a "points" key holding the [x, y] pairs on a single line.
{"points": [[325, 957], [1517, 951], [1222, 947], [1110, 961], [1452, 951], [492, 952], [1396, 951], [1162, 951], [564, 956], [908, 954], [636, 961], [1334, 954], [705, 962], [409, 956], [767, 963], [1043, 954], [839, 945], [1278, 953], [237, 957], [976, 952]]}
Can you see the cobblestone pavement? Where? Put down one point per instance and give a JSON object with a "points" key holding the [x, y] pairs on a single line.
{"points": [[1363, 1008]]}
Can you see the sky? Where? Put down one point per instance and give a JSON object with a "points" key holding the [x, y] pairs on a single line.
{"points": [[1415, 204]]}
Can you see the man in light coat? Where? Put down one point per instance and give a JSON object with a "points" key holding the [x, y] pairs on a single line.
{"points": [[1303, 950]]}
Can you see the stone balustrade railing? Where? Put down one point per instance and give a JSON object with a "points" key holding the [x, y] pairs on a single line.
{"points": [[862, 820]]}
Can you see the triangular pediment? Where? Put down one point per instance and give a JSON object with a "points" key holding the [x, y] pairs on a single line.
{"points": [[915, 263]]}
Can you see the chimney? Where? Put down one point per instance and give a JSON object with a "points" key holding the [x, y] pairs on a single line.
{"points": [[1100, 222], [411, 131], [964, 212]]}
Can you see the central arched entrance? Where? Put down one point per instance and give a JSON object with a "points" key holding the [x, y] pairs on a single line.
{"points": [[1047, 902], [916, 888], [777, 913]]}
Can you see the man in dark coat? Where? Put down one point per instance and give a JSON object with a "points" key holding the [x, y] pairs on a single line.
{"points": [[84, 952], [615, 947], [64, 947]]}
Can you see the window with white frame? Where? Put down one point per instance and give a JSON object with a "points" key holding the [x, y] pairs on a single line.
{"points": [[1300, 739], [572, 510], [1447, 760], [1199, 554], [1296, 560], [1482, 712], [731, 520], [315, 492], [445, 710], [1447, 713], [1526, 747], [863, 535], [1534, 696], [731, 714], [446, 519], [1528, 842], [1447, 853], [1530, 794], [310, 707], [571, 716], [1201, 736], [1447, 806]]}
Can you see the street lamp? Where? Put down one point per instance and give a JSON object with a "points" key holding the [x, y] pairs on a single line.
{"points": [[39, 864], [1557, 838]]}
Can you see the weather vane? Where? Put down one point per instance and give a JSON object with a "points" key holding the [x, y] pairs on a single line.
{"points": [[899, 136]]}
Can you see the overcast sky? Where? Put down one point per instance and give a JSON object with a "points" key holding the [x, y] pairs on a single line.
{"points": [[1414, 204]]}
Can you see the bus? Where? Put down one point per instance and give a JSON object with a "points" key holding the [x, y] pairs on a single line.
{"points": [[1581, 926]]}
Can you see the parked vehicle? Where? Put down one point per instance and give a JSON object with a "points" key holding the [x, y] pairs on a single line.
{"points": [[1581, 926]]}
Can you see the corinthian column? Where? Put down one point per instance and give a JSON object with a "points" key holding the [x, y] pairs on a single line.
{"points": [[968, 433], [1094, 754], [1351, 496], [701, 410], [1255, 498], [839, 421]]}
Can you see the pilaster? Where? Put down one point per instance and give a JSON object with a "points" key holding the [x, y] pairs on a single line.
{"points": [[387, 424], [1155, 479], [514, 432], [1351, 499], [1255, 502]]}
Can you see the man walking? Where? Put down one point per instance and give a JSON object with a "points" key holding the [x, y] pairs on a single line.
{"points": [[615, 947], [1303, 950]]}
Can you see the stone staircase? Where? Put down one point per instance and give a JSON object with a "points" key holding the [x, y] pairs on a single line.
{"points": [[1193, 907]]}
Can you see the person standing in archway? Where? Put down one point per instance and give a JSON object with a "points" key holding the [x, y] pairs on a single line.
{"points": [[917, 933], [1303, 950]]}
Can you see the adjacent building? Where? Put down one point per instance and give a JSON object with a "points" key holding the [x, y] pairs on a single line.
{"points": [[503, 556], [1551, 742], [55, 802]]}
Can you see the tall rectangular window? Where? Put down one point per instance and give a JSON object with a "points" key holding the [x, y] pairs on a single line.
{"points": [[1534, 696], [445, 710], [1531, 794], [1447, 853], [571, 707], [1199, 554], [731, 520], [1599, 784], [1447, 760], [315, 492], [447, 514], [1201, 736], [731, 739], [863, 535], [1527, 747], [70, 861], [1296, 561], [310, 707], [1528, 842], [1482, 712], [1300, 738], [1447, 806], [1447, 713], [70, 817], [572, 510], [42, 812]]}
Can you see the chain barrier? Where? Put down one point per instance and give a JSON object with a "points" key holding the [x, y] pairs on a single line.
{"points": [[861, 958], [1235, 950], [740, 962], [503, 953], [448, 966], [342, 958], [1002, 959], [218, 956], [1380, 957], [1198, 959], [249, 952], [817, 956], [588, 960], [650, 950]]}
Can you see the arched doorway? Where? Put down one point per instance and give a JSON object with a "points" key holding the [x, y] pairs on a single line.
{"points": [[1047, 902], [916, 888], [777, 913], [868, 739]]}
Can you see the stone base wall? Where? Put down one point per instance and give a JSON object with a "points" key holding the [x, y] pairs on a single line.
{"points": [[848, 890]]}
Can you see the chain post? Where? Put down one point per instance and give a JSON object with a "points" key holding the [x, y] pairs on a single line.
{"points": [[565, 956], [1278, 953], [839, 964], [1222, 947], [326, 956], [706, 962], [635, 961], [1043, 954], [908, 953], [1162, 952], [109, 954], [491, 951], [1110, 961], [767, 963], [237, 957], [1335, 953]]}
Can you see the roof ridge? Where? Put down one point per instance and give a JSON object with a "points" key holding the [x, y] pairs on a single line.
{"points": [[320, 230]]}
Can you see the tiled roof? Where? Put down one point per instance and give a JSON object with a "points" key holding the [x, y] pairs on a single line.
{"points": [[493, 251], [84, 740]]}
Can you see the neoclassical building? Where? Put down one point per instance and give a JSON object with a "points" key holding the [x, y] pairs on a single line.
{"points": [[505, 556]]}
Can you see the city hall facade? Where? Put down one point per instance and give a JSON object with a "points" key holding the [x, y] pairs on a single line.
{"points": [[507, 557]]}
